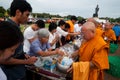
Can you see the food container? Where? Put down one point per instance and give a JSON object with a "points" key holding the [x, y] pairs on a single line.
{"points": [[38, 63], [64, 64]]}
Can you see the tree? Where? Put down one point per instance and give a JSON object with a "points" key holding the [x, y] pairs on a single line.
{"points": [[80, 18], [2, 11], [1, 15]]}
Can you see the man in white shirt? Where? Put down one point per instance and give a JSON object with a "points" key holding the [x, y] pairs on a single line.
{"points": [[53, 37], [30, 34], [78, 26]]}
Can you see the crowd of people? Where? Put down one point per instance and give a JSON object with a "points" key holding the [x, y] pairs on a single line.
{"points": [[18, 49]]}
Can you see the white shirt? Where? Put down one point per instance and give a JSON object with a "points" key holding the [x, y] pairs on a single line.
{"points": [[2, 75], [51, 38], [77, 28], [61, 32], [29, 33]]}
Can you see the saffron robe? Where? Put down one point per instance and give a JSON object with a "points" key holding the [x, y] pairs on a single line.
{"points": [[81, 70], [95, 51], [99, 32], [110, 34]]}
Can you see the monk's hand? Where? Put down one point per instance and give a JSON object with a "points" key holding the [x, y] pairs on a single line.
{"points": [[70, 70]]}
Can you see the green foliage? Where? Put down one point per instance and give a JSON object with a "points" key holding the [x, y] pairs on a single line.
{"points": [[2, 10], [46, 25], [1, 15], [80, 18]]}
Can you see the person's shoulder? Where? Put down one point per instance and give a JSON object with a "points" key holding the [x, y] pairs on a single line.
{"points": [[111, 30], [59, 28], [100, 40], [12, 22], [36, 41]]}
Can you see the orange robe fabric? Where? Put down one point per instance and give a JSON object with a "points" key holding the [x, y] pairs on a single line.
{"points": [[95, 51], [110, 34], [71, 30], [81, 70], [99, 32]]}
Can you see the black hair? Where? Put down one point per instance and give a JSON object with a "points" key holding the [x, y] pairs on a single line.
{"points": [[40, 23], [61, 23], [52, 26], [10, 35], [82, 21], [67, 25], [73, 18], [21, 5]]}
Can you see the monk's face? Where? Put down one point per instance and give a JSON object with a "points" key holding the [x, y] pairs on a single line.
{"points": [[86, 33]]}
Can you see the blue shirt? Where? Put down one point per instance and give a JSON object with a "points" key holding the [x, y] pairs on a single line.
{"points": [[116, 29], [37, 46]]}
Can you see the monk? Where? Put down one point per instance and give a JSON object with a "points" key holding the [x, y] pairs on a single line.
{"points": [[99, 30], [109, 34], [93, 50]]}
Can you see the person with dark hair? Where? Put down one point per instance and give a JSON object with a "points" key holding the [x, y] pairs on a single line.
{"points": [[53, 37], [78, 26], [63, 38], [67, 27], [71, 22], [14, 68], [10, 38], [30, 34], [60, 30], [20, 6], [61, 23]]}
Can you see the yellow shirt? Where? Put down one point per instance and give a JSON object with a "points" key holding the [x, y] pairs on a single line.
{"points": [[71, 26]]}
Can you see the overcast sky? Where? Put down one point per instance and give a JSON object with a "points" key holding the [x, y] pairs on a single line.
{"points": [[84, 8]]}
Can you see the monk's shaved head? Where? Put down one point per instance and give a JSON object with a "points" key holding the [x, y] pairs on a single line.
{"points": [[88, 30], [108, 23], [89, 26], [91, 20]]}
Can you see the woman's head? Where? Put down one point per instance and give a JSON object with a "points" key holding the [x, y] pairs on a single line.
{"points": [[10, 38], [43, 35]]}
